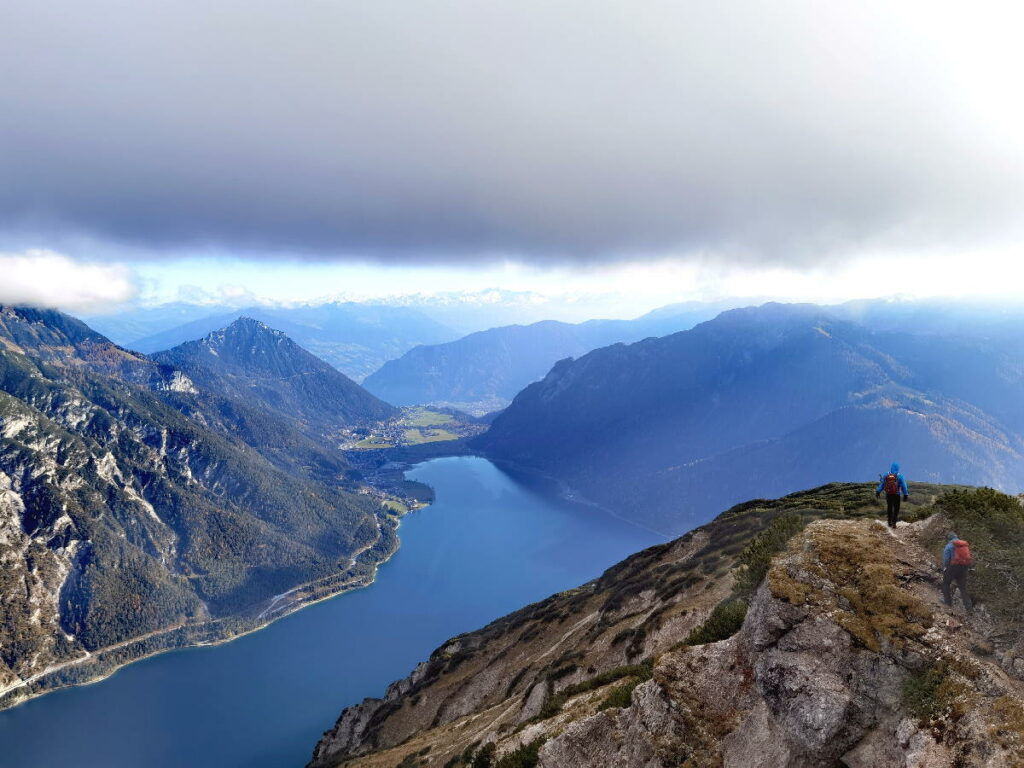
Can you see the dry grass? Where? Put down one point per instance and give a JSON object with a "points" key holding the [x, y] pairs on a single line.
{"points": [[847, 569], [1008, 725]]}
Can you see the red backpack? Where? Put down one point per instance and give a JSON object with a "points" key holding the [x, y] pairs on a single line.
{"points": [[961, 553], [891, 485]]}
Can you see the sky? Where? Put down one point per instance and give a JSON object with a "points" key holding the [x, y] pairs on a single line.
{"points": [[586, 151]]}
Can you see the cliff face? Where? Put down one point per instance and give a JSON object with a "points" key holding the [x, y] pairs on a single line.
{"points": [[846, 656]]}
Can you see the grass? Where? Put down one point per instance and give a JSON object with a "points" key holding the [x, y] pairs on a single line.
{"points": [[371, 444], [1008, 727], [418, 436], [526, 756], [423, 417], [848, 571], [756, 557], [396, 506], [620, 697]]}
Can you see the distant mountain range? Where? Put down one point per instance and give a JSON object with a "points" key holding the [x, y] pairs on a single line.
{"points": [[150, 503], [483, 371], [129, 325], [764, 401], [355, 338]]}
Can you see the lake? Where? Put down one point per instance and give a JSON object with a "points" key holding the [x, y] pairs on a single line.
{"points": [[487, 546]]}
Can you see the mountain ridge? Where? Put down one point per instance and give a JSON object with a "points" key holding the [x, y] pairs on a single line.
{"points": [[634, 424]]}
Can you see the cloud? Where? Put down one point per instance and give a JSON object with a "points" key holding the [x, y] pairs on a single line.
{"points": [[549, 131], [48, 279], [220, 295]]}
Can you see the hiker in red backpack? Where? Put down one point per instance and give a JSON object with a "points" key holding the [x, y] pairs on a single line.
{"points": [[957, 560], [895, 487]]}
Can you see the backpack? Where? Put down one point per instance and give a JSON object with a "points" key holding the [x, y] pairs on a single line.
{"points": [[961, 553], [891, 485]]}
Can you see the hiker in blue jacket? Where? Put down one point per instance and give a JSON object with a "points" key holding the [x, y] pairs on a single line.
{"points": [[895, 487], [956, 562]]}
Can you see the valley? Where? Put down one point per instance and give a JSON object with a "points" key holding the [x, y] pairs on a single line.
{"points": [[414, 425], [246, 478]]}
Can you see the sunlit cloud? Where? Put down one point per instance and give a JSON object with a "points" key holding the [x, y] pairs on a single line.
{"points": [[47, 279]]}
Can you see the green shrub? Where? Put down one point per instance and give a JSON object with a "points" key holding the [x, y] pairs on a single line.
{"points": [[527, 756], [936, 692], [756, 557], [484, 758], [724, 622], [619, 697], [553, 704]]}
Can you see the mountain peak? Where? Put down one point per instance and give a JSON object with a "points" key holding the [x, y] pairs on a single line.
{"points": [[245, 327], [245, 321], [250, 360]]}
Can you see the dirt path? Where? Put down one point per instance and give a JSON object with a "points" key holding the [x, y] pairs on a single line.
{"points": [[89, 655]]}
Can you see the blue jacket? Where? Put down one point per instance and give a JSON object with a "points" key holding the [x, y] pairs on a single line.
{"points": [[947, 553], [894, 469]]}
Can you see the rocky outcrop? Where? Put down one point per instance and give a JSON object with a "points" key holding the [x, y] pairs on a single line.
{"points": [[819, 675], [846, 656]]}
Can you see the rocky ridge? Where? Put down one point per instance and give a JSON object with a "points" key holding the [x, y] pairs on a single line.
{"points": [[846, 655]]}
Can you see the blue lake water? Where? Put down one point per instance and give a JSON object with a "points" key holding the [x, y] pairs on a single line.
{"points": [[487, 546]]}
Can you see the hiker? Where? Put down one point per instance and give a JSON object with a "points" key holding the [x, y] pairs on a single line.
{"points": [[894, 486], [956, 560]]}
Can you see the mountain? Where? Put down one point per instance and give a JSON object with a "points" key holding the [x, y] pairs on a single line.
{"points": [[250, 362], [129, 524], [788, 633], [129, 325], [483, 371], [354, 338], [472, 311], [763, 401]]}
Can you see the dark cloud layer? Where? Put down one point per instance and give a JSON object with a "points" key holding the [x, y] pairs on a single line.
{"points": [[443, 130]]}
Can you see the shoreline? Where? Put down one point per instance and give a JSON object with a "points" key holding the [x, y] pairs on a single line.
{"points": [[106, 662], [220, 635]]}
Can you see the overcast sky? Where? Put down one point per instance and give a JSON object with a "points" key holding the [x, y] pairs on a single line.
{"points": [[698, 146]]}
